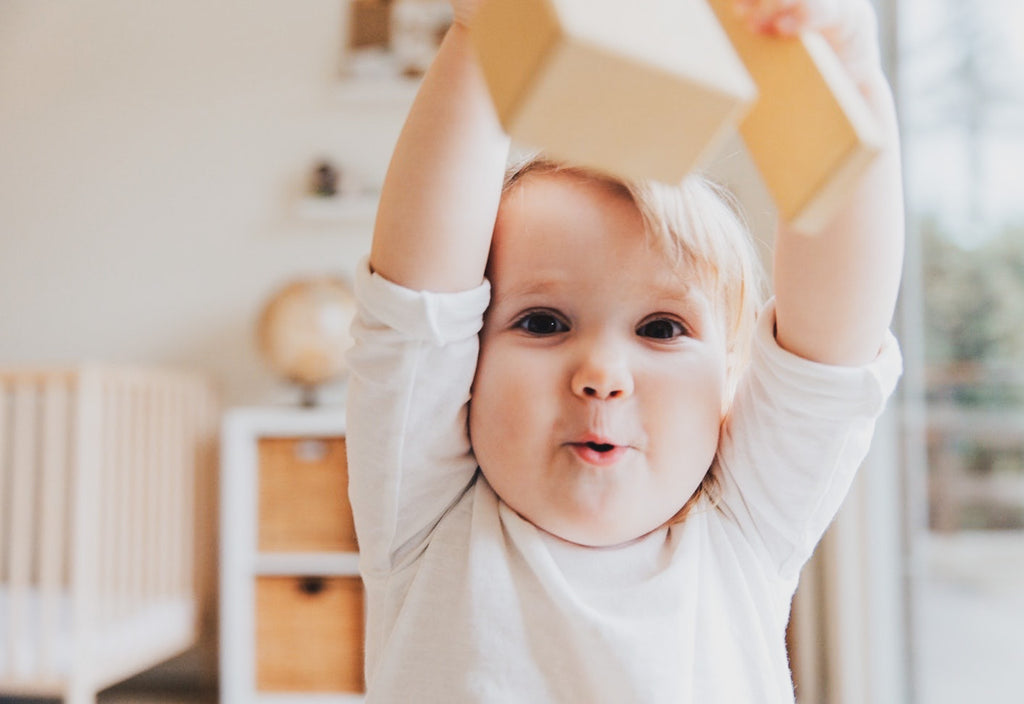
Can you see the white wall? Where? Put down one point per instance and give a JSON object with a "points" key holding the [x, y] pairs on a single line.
{"points": [[151, 153]]}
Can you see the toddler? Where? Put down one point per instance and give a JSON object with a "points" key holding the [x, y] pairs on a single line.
{"points": [[586, 462]]}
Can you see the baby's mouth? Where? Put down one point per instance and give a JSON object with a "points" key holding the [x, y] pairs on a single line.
{"points": [[598, 453]]}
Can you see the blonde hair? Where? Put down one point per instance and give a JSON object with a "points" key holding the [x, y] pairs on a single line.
{"points": [[697, 224]]}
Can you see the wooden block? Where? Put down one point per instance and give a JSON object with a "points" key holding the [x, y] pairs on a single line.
{"points": [[809, 132], [303, 496], [641, 89], [309, 634]]}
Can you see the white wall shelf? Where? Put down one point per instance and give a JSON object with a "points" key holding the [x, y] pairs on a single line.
{"points": [[385, 92], [360, 209], [327, 564]]}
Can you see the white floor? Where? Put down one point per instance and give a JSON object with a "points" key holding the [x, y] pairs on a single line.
{"points": [[970, 644]]}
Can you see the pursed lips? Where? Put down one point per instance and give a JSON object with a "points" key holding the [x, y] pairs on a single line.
{"points": [[597, 450]]}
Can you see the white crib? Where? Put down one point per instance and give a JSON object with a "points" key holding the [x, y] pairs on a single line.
{"points": [[103, 473]]}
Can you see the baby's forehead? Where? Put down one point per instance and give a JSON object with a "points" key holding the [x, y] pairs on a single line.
{"points": [[660, 218], [552, 280], [547, 178], [541, 200]]}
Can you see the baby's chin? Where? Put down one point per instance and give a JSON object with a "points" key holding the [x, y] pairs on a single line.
{"points": [[598, 533]]}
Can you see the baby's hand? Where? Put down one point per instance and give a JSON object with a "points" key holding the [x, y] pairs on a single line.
{"points": [[849, 26], [464, 10]]}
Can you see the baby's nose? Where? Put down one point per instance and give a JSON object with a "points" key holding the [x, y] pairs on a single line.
{"points": [[602, 377]]}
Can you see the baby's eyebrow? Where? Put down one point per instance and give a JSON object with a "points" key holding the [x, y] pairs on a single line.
{"points": [[675, 288], [694, 301], [533, 286]]}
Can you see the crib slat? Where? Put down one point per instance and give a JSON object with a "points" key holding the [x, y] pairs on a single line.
{"points": [[85, 548], [168, 528], [188, 491], [151, 551], [122, 558], [176, 550], [52, 526], [5, 536], [136, 430], [122, 554], [159, 470], [19, 565], [110, 493], [143, 472], [162, 466]]}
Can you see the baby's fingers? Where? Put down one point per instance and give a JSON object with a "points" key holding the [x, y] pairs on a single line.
{"points": [[848, 25], [784, 17], [464, 10]]}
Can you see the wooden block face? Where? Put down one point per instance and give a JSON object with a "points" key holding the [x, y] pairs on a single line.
{"points": [[594, 109], [809, 132], [512, 41], [303, 496], [680, 37], [309, 634], [611, 85]]}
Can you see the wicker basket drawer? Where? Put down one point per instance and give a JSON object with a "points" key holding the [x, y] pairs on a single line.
{"points": [[303, 496], [309, 634]]}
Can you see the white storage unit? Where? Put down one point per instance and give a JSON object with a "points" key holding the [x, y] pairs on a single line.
{"points": [[291, 599]]}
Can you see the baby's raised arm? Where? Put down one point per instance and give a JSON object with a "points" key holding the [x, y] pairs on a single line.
{"points": [[441, 193], [836, 292]]}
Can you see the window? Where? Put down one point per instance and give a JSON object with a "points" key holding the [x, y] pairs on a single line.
{"points": [[961, 93]]}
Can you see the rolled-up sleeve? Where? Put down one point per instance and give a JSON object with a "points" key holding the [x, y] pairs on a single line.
{"points": [[795, 437], [411, 371]]}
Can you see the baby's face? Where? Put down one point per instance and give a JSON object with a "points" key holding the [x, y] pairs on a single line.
{"points": [[600, 388]]}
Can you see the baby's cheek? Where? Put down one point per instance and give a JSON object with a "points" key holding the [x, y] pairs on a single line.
{"points": [[501, 398]]}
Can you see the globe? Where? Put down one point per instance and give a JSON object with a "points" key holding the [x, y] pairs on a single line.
{"points": [[303, 331]]}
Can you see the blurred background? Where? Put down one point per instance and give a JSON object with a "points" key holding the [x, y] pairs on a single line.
{"points": [[961, 88], [166, 166]]}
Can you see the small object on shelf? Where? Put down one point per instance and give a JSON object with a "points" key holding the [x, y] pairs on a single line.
{"points": [[336, 194], [325, 179]]}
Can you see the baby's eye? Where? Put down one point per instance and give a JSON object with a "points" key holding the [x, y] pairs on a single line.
{"points": [[541, 323], [661, 329]]}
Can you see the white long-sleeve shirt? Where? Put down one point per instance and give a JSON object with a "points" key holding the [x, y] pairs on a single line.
{"points": [[469, 602]]}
